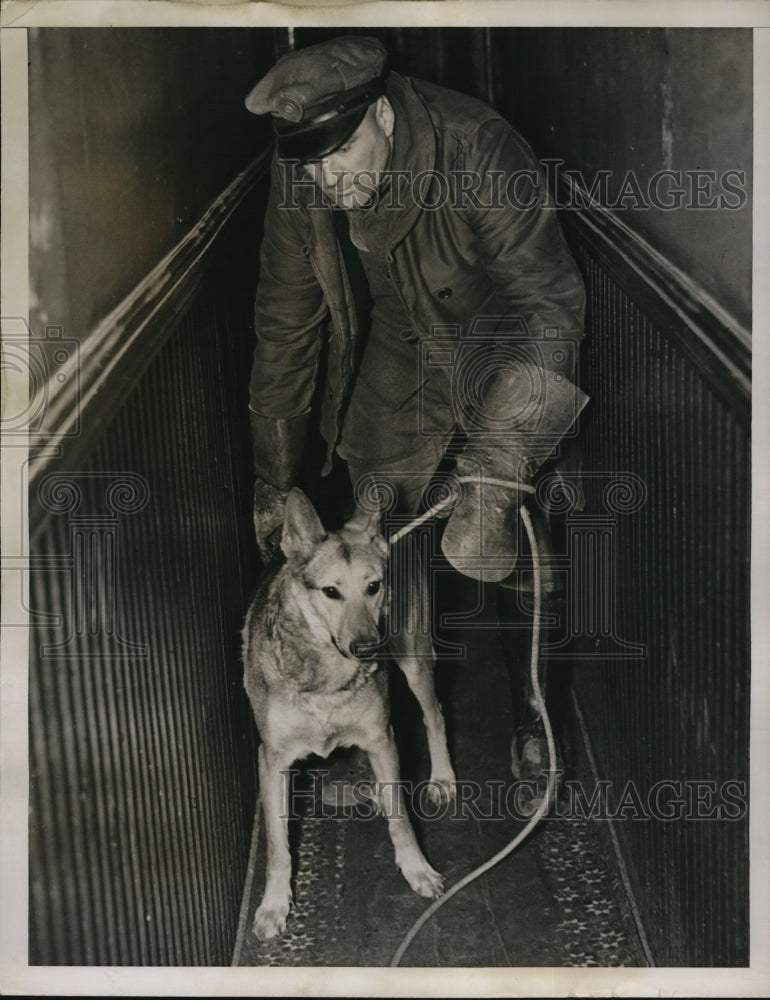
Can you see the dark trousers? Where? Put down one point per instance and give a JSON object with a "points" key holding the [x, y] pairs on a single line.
{"points": [[402, 484]]}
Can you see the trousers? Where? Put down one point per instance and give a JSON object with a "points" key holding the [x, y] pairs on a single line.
{"points": [[402, 483]]}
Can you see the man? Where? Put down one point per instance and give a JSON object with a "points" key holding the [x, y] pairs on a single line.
{"points": [[476, 305]]}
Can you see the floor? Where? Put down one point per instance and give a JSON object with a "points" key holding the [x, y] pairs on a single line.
{"points": [[556, 901]]}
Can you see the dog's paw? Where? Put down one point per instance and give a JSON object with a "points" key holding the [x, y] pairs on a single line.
{"points": [[423, 879], [270, 921]]}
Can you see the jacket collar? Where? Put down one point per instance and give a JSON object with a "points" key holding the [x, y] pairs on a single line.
{"points": [[414, 151]]}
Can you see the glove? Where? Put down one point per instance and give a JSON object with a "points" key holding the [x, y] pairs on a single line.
{"points": [[268, 519], [481, 537], [277, 445], [527, 410]]}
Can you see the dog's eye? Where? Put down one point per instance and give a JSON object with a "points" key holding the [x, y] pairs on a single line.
{"points": [[332, 593], [373, 587]]}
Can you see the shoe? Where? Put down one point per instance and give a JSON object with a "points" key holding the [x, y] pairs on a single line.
{"points": [[530, 764], [344, 771]]}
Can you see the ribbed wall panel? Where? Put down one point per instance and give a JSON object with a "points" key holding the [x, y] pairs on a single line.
{"points": [[681, 589], [143, 766]]}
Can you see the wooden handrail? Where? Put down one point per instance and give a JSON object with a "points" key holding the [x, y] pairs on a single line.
{"points": [[715, 342], [116, 352]]}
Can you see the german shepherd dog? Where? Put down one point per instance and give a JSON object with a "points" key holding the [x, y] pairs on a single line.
{"points": [[314, 685]]}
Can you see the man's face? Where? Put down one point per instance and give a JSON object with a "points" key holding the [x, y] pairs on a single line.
{"points": [[351, 174]]}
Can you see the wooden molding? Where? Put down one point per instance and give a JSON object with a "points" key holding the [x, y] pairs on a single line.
{"points": [[714, 341], [118, 350]]}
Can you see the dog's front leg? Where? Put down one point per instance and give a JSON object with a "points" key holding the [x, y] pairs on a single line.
{"points": [[409, 858], [274, 781]]}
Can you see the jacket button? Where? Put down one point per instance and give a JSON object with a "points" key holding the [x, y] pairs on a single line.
{"points": [[445, 293]]}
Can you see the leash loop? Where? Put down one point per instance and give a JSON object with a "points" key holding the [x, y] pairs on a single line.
{"points": [[452, 497]]}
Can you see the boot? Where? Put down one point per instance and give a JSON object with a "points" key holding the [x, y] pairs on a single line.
{"points": [[529, 747], [530, 764], [345, 769]]}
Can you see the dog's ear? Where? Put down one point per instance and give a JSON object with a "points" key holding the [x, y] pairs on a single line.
{"points": [[302, 528]]}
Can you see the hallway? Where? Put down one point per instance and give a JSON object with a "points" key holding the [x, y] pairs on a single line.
{"points": [[556, 901], [141, 559]]}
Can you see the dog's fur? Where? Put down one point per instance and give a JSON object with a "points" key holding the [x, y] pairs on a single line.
{"points": [[306, 639]]}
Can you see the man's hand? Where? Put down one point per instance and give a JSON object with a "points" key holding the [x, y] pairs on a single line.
{"points": [[278, 445], [268, 518]]}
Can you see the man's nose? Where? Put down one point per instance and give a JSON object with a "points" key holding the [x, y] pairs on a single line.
{"points": [[330, 176]]}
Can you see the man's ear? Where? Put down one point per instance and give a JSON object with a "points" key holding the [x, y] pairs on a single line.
{"points": [[385, 115], [302, 528]]}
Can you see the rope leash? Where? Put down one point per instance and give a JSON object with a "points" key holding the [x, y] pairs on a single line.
{"points": [[539, 700], [398, 535]]}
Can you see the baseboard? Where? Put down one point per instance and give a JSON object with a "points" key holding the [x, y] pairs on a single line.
{"points": [[248, 888], [588, 770]]}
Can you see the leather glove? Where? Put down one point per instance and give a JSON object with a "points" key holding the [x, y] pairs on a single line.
{"points": [[526, 412], [277, 445], [268, 519]]}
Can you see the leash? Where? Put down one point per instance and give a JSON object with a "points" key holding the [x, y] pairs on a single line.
{"points": [[539, 700], [398, 535]]}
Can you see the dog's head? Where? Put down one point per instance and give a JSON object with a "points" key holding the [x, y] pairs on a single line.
{"points": [[340, 575]]}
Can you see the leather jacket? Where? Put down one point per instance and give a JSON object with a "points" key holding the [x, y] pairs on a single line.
{"points": [[493, 249]]}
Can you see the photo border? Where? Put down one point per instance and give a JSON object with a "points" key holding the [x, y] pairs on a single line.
{"points": [[16, 976]]}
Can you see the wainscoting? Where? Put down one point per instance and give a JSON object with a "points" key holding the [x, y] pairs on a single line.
{"points": [[662, 672], [142, 746]]}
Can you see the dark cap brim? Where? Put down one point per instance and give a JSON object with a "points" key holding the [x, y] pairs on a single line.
{"points": [[314, 141]]}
